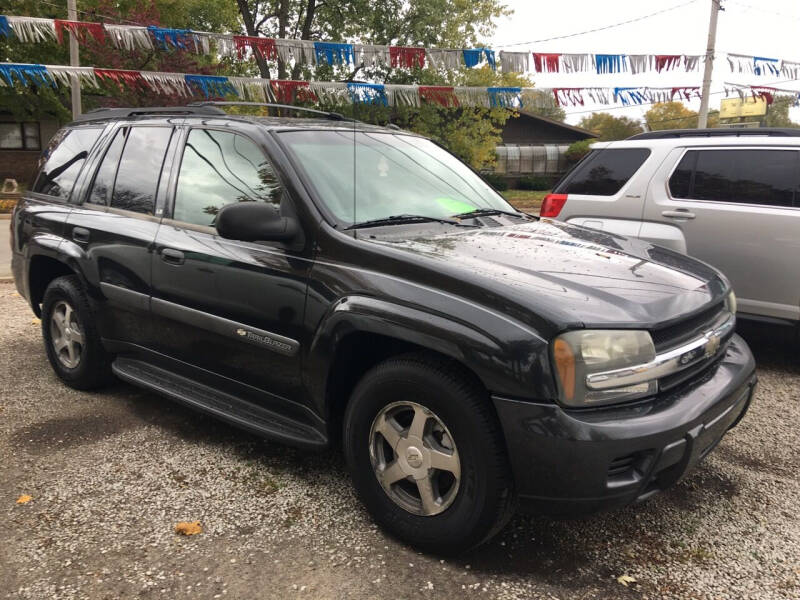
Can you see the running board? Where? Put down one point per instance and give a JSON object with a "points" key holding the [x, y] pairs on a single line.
{"points": [[236, 411]]}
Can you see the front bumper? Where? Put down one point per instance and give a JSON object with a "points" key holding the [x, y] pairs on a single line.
{"points": [[572, 462]]}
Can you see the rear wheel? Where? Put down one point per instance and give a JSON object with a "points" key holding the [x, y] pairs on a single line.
{"points": [[426, 454], [70, 335]]}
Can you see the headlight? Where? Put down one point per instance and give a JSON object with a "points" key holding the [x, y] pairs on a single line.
{"points": [[577, 354], [730, 302]]}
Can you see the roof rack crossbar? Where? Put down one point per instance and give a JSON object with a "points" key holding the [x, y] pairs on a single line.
{"points": [[719, 132], [334, 116], [121, 113]]}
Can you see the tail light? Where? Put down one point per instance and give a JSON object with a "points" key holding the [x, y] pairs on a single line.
{"points": [[552, 205]]}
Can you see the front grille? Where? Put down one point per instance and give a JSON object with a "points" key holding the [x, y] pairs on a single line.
{"points": [[665, 338]]}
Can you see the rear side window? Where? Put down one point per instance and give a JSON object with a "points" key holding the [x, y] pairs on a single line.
{"points": [[62, 161], [140, 168], [104, 179], [767, 177], [603, 172]]}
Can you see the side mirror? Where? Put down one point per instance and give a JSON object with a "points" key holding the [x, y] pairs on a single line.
{"points": [[255, 222]]}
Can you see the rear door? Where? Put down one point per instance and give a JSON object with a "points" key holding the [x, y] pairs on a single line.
{"points": [[606, 191], [113, 229], [739, 210]]}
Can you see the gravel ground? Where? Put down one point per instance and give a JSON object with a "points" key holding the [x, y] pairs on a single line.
{"points": [[111, 474]]}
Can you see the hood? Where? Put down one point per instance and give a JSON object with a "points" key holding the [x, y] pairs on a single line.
{"points": [[570, 275]]}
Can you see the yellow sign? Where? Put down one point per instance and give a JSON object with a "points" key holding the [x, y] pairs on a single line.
{"points": [[732, 108]]}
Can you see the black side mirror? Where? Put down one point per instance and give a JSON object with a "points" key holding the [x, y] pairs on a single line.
{"points": [[255, 222]]}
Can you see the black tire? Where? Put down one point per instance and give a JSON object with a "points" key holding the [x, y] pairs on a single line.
{"points": [[93, 367], [485, 498]]}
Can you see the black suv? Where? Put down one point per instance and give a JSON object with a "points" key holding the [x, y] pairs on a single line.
{"points": [[318, 281]]}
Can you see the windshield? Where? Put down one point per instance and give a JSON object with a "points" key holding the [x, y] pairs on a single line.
{"points": [[379, 175]]}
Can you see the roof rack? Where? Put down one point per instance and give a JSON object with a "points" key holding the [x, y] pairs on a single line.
{"points": [[329, 115], [721, 132], [122, 113]]}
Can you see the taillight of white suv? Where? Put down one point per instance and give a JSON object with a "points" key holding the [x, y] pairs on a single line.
{"points": [[552, 205]]}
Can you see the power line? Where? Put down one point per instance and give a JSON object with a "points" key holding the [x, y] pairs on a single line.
{"points": [[762, 10], [603, 28]]}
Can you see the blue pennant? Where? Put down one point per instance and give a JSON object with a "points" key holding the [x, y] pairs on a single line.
{"points": [[630, 95], [473, 56], [610, 63], [762, 66], [5, 28], [333, 53], [211, 85], [166, 37], [368, 93], [26, 74], [505, 97]]}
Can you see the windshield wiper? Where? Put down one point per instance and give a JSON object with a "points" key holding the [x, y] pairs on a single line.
{"points": [[486, 212], [403, 219]]}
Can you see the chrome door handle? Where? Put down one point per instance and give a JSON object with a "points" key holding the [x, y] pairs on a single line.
{"points": [[79, 234], [173, 257], [681, 213]]}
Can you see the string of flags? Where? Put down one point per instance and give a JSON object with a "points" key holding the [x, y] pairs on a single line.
{"points": [[766, 92], [132, 37], [338, 92]]}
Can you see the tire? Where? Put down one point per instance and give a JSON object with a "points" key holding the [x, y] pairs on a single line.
{"points": [[67, 316], [461, 424]]}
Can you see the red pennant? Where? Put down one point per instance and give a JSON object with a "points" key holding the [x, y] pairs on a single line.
{"points": [[438, 94], [765, 92], [546, 62], [287, 92], [79, 29], [263, 47], [685, 92], [407, 57], [667, 61], [119, 76]]}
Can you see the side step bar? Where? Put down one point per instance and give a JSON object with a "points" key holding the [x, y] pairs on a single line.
{"points": [[240, 413]]}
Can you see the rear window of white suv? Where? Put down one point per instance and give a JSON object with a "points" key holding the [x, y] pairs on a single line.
{"points": [[603, 172]]}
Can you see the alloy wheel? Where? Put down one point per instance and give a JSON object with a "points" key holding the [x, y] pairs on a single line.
{"points": [[66, 334]]}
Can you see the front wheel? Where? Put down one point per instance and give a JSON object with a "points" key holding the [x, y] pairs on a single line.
{"points": [[426, 454]]}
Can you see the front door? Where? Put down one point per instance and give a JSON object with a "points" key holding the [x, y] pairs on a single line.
{"points": [[223, 307], [739, 210]]}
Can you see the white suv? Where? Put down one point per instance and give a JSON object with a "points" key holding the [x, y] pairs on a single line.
{"points": [[730, 197]]}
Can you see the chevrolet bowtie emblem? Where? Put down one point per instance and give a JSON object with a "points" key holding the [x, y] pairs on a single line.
{"points": [[712, 345]]}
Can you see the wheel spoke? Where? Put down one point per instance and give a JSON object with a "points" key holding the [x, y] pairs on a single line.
{"points": [[72, 352], [392, 473], [388, 431], [425, 487], [417, 428], [67, 314], [445, 462], [59, 344], [77, 337]]}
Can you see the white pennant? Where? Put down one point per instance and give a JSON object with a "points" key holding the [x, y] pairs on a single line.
{"points": [[31, 29], [576, 63], [537, 98], [472, 96], [370, 55], [301, 50], [330, 92], [224, 44], [599, 95], [253, 89], [402, 95], [64, 75], [166, 83], [790, 70], [127, 37], [657, 95], [640, 62], [691, 62], [444, 58], [514, 62], [741, 64]]}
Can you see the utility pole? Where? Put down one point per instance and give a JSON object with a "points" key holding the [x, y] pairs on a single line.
{"points": [[702, 121], [74, 61]]}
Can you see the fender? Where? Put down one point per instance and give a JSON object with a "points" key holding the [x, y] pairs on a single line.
{"points": [[512, 366], [51, 246]]}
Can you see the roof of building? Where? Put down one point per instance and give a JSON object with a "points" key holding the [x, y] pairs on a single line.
{"points": [[533, 115]]}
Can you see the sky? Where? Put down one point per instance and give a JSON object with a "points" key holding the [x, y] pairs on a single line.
{"points": [[766, 28]]}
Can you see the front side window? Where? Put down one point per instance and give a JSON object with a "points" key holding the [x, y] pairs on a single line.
{"points": [[361, 176], [219, 168], [62, 161], [747, 176], [140, 168], [603, 172]]}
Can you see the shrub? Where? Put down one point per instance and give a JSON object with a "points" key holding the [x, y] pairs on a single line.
{"points": [[536, 184], [577, 150], [498, 182]]}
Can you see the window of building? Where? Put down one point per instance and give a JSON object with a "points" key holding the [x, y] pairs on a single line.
{"points": [[219, 168], [19, 136]]}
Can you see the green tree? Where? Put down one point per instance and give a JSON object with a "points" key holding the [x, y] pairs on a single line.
{"points": [[608, 127], [778, 112], [675, 115]]}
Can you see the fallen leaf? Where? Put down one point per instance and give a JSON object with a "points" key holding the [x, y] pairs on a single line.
{"points": [[626, 580], [24, 499], [188, 528], [36, 321]]}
